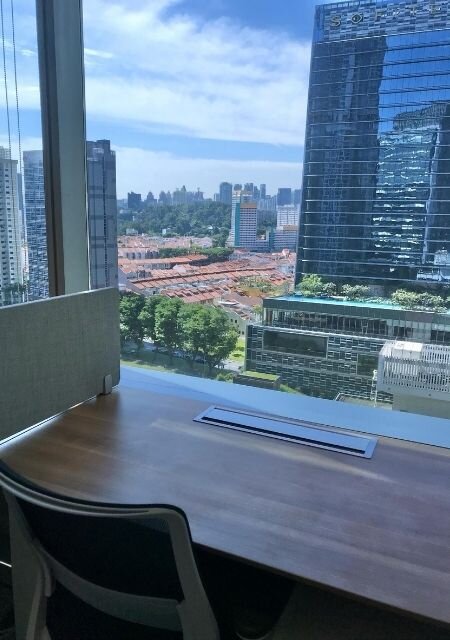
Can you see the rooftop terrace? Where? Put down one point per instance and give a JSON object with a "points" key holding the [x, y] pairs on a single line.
{"points": [[371, 304]]}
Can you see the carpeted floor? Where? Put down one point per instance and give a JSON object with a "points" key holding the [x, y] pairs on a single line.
{"points": [[313, 614], [6, 613], [310, 615]]}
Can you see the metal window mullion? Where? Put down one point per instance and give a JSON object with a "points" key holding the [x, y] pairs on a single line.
{"points": [[61, 70]]}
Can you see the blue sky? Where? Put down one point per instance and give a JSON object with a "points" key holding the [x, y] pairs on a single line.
{"points": [[189, 91]]}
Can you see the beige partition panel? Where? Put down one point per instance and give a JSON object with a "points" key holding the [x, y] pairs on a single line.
{"points": [[54, 354]]}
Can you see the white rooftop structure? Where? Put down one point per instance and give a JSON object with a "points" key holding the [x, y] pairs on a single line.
{"points": [[416, 371]]}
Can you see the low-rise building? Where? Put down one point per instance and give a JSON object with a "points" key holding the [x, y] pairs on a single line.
{"points": [[325, 347], [417, 375]]}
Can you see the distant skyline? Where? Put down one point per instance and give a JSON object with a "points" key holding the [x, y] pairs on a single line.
{"points": [[190, 188], [187, 91]]}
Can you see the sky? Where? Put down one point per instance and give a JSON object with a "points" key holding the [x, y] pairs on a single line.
{"points": [[190, 92]]}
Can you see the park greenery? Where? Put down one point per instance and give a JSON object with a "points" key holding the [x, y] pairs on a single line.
{"points": [[213, 254], [201, 332], [196, 219], [313, 285]]}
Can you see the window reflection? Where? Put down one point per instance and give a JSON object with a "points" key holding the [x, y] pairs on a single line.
{"points": [[377, 158]]}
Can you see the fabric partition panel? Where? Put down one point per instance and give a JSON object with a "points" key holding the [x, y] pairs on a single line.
{"points": [[55, 354]]}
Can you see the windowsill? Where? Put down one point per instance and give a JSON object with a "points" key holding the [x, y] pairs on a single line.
{"points": [[403, 426]]}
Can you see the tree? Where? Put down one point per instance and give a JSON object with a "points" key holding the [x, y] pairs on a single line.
{"points": [[167, 327], [355, 292], [405, 299], [148, 316], [131, 328], [219, 337], [311, 285], [430, 301], [329, 289], [192, 329]]}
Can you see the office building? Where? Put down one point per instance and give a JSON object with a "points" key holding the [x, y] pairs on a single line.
{"points": [[287, 214], [11, 261], [284, 196], [36, 224], [376, 194], [417, 375], [134, 201], [150, 200], [297, 196], [262, 191], [324, 347], [244, 221], [225, 192], [102, 214]]}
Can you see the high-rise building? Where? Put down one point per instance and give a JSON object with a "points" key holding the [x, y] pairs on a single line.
{"points": [[102, 214], [36, 224], [284, 196], [376, 196], [150, 200], [262, 191], [376, 205], [287, 214], [11, 262], [134, 201], [296, 196], [225, 192], [244, 221]]}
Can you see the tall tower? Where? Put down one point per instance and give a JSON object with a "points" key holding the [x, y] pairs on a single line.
{"points": [[35, 224], [244, 221], [225, 192], [376, 196], [102, 214], [11, 261]]}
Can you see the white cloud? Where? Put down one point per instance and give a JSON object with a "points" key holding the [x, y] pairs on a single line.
{"points": [[215, 79], [142, 171], [106, 55]]}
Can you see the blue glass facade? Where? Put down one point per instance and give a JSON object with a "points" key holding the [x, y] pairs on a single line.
{"points": [[36, 224], [376, 184]]}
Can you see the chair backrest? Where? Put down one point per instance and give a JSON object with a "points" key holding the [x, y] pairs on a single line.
{"points": [[135, 563]]}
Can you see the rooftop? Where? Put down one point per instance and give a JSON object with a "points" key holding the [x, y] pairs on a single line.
{"points": [[373, 304]]}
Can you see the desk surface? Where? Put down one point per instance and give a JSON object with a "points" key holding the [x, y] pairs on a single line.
{"points": [[376, 528]]}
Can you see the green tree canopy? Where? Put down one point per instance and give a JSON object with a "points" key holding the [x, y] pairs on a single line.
{"points": [[355, 292], [131, 327], [147, 316], [219, 337], [313, 285], [167, 327], [198, 219]]}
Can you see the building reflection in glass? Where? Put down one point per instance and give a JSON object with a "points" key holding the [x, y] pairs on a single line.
{"points": [[376, 196]]}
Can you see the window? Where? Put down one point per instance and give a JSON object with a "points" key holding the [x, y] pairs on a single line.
{"points": [[295, 343], [22, 220]]}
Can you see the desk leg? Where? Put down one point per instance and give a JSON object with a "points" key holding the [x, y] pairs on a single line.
{"points": [[24, 574]]}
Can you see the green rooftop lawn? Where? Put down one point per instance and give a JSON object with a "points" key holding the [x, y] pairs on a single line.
{"points": [[262, 376]]}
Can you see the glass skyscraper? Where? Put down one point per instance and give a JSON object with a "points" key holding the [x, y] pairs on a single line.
{"points": [[36, 224], [376, 184], [102, 214]]}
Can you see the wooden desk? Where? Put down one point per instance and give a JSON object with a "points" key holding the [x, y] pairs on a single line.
{"points": [[378, 529]]}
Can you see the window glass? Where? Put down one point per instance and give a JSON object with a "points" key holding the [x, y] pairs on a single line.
{"points": [[23, 242], [195, 115]]}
